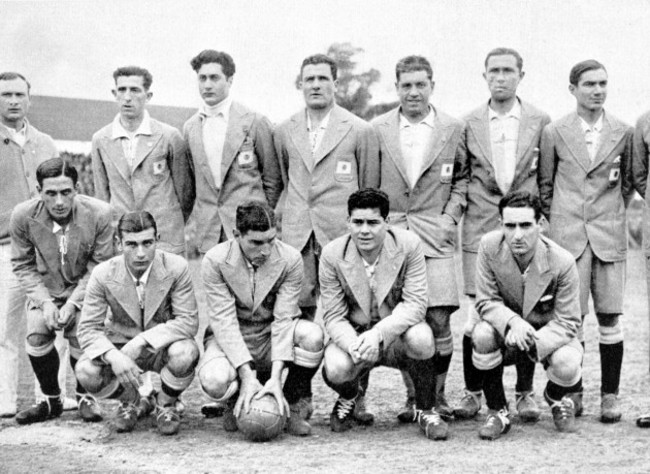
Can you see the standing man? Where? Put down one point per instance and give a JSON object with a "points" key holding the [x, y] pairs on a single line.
{"points": [[326, 153], [151, 325], [233, 158], [424, 174], [57, 239], [528, 301], [502, 139], [22, 148], [252, 285], [142, 164], [585, 186]]}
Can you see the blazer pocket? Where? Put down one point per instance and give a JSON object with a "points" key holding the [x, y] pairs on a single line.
{"points": [[247, 159], [343, 172], [545, 304], [160, 170]]}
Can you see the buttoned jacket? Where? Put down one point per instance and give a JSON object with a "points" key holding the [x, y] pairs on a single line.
{"points": [[317, 188], [159, 182], [483, 192], [640, 171], [111, 313], [548, 297], [244, 176], [18, 176], [36, 258], [440, 188], [242, 316], [585, 200], [401, 288]]}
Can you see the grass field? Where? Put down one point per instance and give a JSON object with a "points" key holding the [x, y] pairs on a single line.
{"points": [[69, 445]]}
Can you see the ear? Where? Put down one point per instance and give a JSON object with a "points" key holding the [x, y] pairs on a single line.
{"points": [[387, 219], [236, 233], [77, 187], [521, 75], [114, 92], [118, 244], [38, 188], [484, 76], [149, 95], [572, 89]]}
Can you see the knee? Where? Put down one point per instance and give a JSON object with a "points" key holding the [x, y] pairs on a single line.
{"points": [[308, 336], [337, 365], [565, 366], [419, 342], [40, 341], [182, 356], [216, 378], [89, 375], [484, 338]]}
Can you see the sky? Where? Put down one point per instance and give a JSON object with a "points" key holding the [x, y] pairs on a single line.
{"points": [[70, 48]]}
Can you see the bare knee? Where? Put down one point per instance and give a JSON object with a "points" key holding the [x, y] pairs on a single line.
{"points": [[182, 356], [419, 342], [38, 341], [338, 365], [565, 365], [89, 375], [484, 338], [308, 336], [216, 376]]}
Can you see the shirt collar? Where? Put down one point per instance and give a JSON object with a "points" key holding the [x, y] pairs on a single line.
{"points": [[514, 112], [429, 120], [323, 123], [120, 132], [597, 127], [222, 108], [13, 131], [145, 276]]}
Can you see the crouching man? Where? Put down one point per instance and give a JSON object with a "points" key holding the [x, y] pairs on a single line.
{"points": [[374, 295], [57, 239], [151, 325], [252, 286], [528, 301]]}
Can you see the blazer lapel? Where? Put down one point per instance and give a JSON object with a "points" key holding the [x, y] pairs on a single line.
{"points": [[355, 276], [269, 273], [146, 143], [337, 128], [388, 267], [610, 136], [196, 136], [436, 145], [480, 128], [48, 244], [123, 290], [390, 131], [158, 285], [239, 126], [300, 138], [527, 132], [573, 136], [537, 280], [115, 153], [236, 273]]}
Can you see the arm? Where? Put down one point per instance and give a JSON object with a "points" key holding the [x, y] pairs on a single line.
{"points": [[285, 311], [179, 162], [627, 178], [640, 157], [546, 170], [90, 328], [100, 177], [367, 154], [268, 159], [458, 198]]}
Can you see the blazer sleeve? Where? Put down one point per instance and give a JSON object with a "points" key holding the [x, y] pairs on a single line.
{"points": [[627, 170], [640, 156], [222, 314], [367, 153], [100, 177], [546, 171], [458, 198], [266, 151], [179, 160], [90, 328], [285, 311], [412, 309]]}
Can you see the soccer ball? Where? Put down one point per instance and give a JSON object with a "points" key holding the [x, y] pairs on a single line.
{"points": [[263, 422]]}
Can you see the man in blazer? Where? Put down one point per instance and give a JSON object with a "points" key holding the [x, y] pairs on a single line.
{"points": [[22, 149], [233, 157], [374, 296], [424, 174], [325, 154], [528, 301], [502, 140], [585, 186], [252, 285], [139, 314], [57, 239], [141, 164]]}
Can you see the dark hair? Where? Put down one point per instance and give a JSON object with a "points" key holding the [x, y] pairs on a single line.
{"points": [[136, 221], [10, 76], [254, 215], [208, 56], [582, 67], [505, 51], [521, 199], [369, 198], [319, 59], [147, 78], [55, 167], [412, 64]]}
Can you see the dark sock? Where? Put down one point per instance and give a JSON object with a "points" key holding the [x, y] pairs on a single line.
{"points": [[473, 376], [298, 383], [422, 373], [611, 359], [80, 389], [170, 392], [495, 396], [525, 374], [441, 363], [347, 390], [364, 380], [46, 369], [556, 392]]}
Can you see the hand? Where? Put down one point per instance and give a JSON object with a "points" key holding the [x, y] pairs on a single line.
{"points": [[273, 386], [521, 334], [354, 352], [125, 369], [67, 314], [250, 386], [133, 349], [368, 346], [51, 315]]}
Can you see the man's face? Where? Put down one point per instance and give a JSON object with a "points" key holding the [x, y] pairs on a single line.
{"points": [[214, 86], [503, 76], [414, 90], [139, 249], [318, 86], [58, 196], [591, 91], [521, 230], [131, 96], [256, 245], [367, 229], [14, 101]]}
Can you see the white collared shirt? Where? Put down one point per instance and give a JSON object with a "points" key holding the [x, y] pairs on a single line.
{"points": [[140, 283], [215, 127], [130, 140], [592, 135], [504, 133], [19, 136], [414, 139], [316, 135]]}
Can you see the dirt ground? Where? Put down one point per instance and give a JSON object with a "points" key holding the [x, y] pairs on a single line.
{"points": [[69, 445]]}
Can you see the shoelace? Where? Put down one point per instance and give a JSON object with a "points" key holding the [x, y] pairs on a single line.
{"points": [[430, 418], [166, 412], [87, 398], [563, 407], [129, 411], [344, 408], [472, 396], [528, 396], [501, 415]]}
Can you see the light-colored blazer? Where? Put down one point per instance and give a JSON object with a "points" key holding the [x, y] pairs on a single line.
{"points": [[241, 318], [317, 188], [640, 171], [243, 176], [440, 188], [401, 293], [548, 298], [160, 182], [170, 311], [483, 193], [35, 249], [585, 201]]}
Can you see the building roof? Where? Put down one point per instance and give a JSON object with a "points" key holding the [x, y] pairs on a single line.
{"points": [[78, 119]]}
